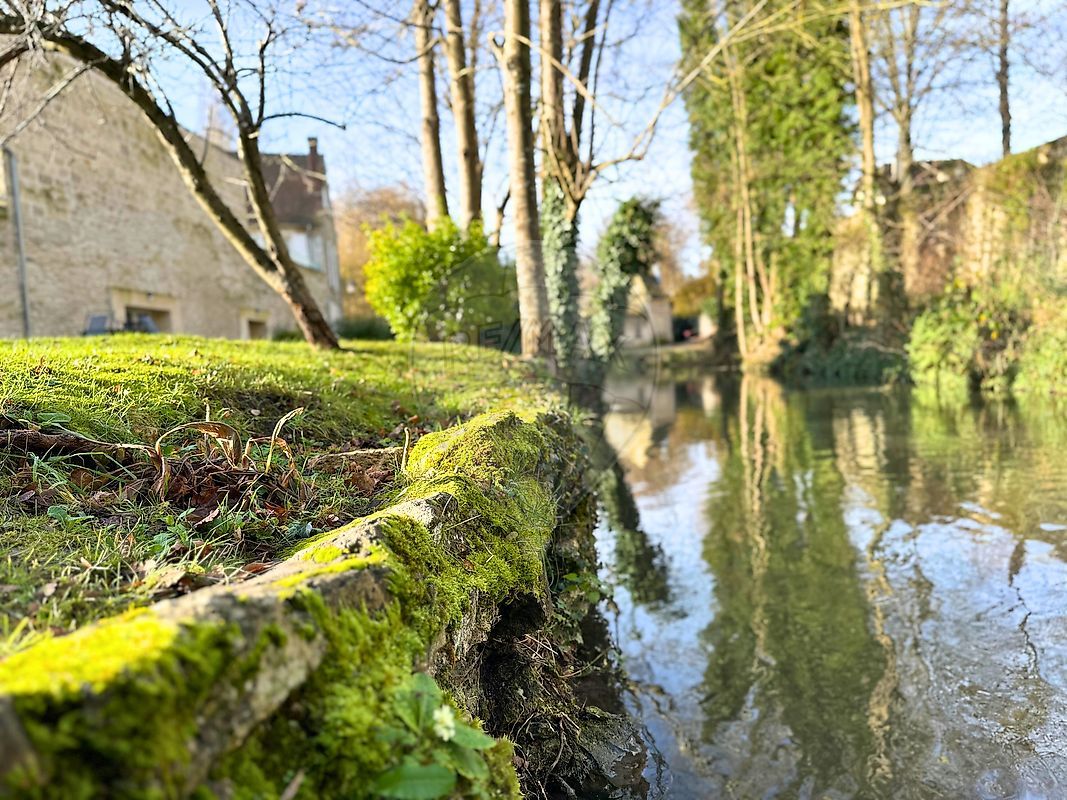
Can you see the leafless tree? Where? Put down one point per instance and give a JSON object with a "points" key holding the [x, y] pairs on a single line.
{"points": [[127, 45], [920, 50], [562, 133], [433, 167], [462, 84], [514, 53]]}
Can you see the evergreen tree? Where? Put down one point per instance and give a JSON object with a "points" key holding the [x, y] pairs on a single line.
{"points": [[771, 137]]}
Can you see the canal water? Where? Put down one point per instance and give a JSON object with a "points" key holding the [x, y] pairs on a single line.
{"points": [[839, 594]]}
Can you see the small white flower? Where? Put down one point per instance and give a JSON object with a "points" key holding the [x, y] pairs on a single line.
{"points": [[444, 723]]}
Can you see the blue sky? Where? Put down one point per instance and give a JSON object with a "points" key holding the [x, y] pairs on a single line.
{"points": [[379, 105]]}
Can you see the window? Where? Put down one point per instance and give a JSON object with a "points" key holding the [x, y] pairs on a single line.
{"points": [[306, 249], [257, 329], [298, 247], [147, 320]]}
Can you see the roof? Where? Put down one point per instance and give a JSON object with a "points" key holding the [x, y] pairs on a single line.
{"points": [[652, 284], [296, 184]]}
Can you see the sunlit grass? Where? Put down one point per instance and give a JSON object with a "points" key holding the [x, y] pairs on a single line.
{"points": [[138, 385], [83, 538]]}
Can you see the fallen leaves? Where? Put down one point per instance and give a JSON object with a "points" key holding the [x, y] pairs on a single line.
{"points": [[199, 507]]}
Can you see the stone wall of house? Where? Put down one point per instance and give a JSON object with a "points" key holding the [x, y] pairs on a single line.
{"points": [[108, 225], [648, 315], [1015, 223], [1004, 223]]}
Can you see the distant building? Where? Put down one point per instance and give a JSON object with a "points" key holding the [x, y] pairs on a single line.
{"points": [[112, 238], [648, 314]]}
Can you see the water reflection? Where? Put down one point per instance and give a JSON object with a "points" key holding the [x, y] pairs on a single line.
{"points": [[841, 594]]}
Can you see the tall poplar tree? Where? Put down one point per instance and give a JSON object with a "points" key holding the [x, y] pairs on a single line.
{"points": [[771, 138]]}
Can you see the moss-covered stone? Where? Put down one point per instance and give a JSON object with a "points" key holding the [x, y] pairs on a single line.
{"points": [[114, 706], [305, 667], [90, 658]]}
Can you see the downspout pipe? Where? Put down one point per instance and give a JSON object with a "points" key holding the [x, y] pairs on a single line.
{"points": [[11, 165]]}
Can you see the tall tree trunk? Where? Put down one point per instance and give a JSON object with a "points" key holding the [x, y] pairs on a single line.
{"points": [[585, 74], [462, 90], [739, 283], [553, 122], [433, 169], [533, 299], [559, 199], [907, 209], [1003, 42], [753, 265], [561, 146], [908, 212], [861, 71]]}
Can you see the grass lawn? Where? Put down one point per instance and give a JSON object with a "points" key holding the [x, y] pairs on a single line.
{"points": [[83, 536]]}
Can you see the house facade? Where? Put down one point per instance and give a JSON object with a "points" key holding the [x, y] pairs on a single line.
{"points": [[648, 314], [109, 237]]}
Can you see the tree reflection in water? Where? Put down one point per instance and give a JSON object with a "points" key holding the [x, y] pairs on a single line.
{"points": [[842, 594]]}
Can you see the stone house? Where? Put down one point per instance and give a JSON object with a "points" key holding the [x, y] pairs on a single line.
{"points": [[648, 314], [111, 238], [1002, 223]]}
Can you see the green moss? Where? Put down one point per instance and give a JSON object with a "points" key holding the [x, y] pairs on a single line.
{"points": [[488, 445], [500, 476], [330, 568], [348, 724], [323, 554], [132, 734], [494, 471], [501, 762], [91, 658]]}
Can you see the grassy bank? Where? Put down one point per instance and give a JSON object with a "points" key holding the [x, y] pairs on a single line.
{"points": [[138, 386], [88, 534], [966, 340]]}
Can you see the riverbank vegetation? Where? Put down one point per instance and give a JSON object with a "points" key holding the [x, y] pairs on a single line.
{"points": [[934, 271]]}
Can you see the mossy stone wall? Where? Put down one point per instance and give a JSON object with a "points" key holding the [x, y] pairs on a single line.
{"points": [[291, 682]]}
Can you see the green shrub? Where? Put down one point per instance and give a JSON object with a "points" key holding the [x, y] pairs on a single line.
{"points": [[374, 328], [970, 337], [1043, 365], [436, 284], [849, 360], [287, 335]]}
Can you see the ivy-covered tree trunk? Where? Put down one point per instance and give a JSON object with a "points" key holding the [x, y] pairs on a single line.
{"points": [[626, 249], [559, 244], [566, 174]]}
